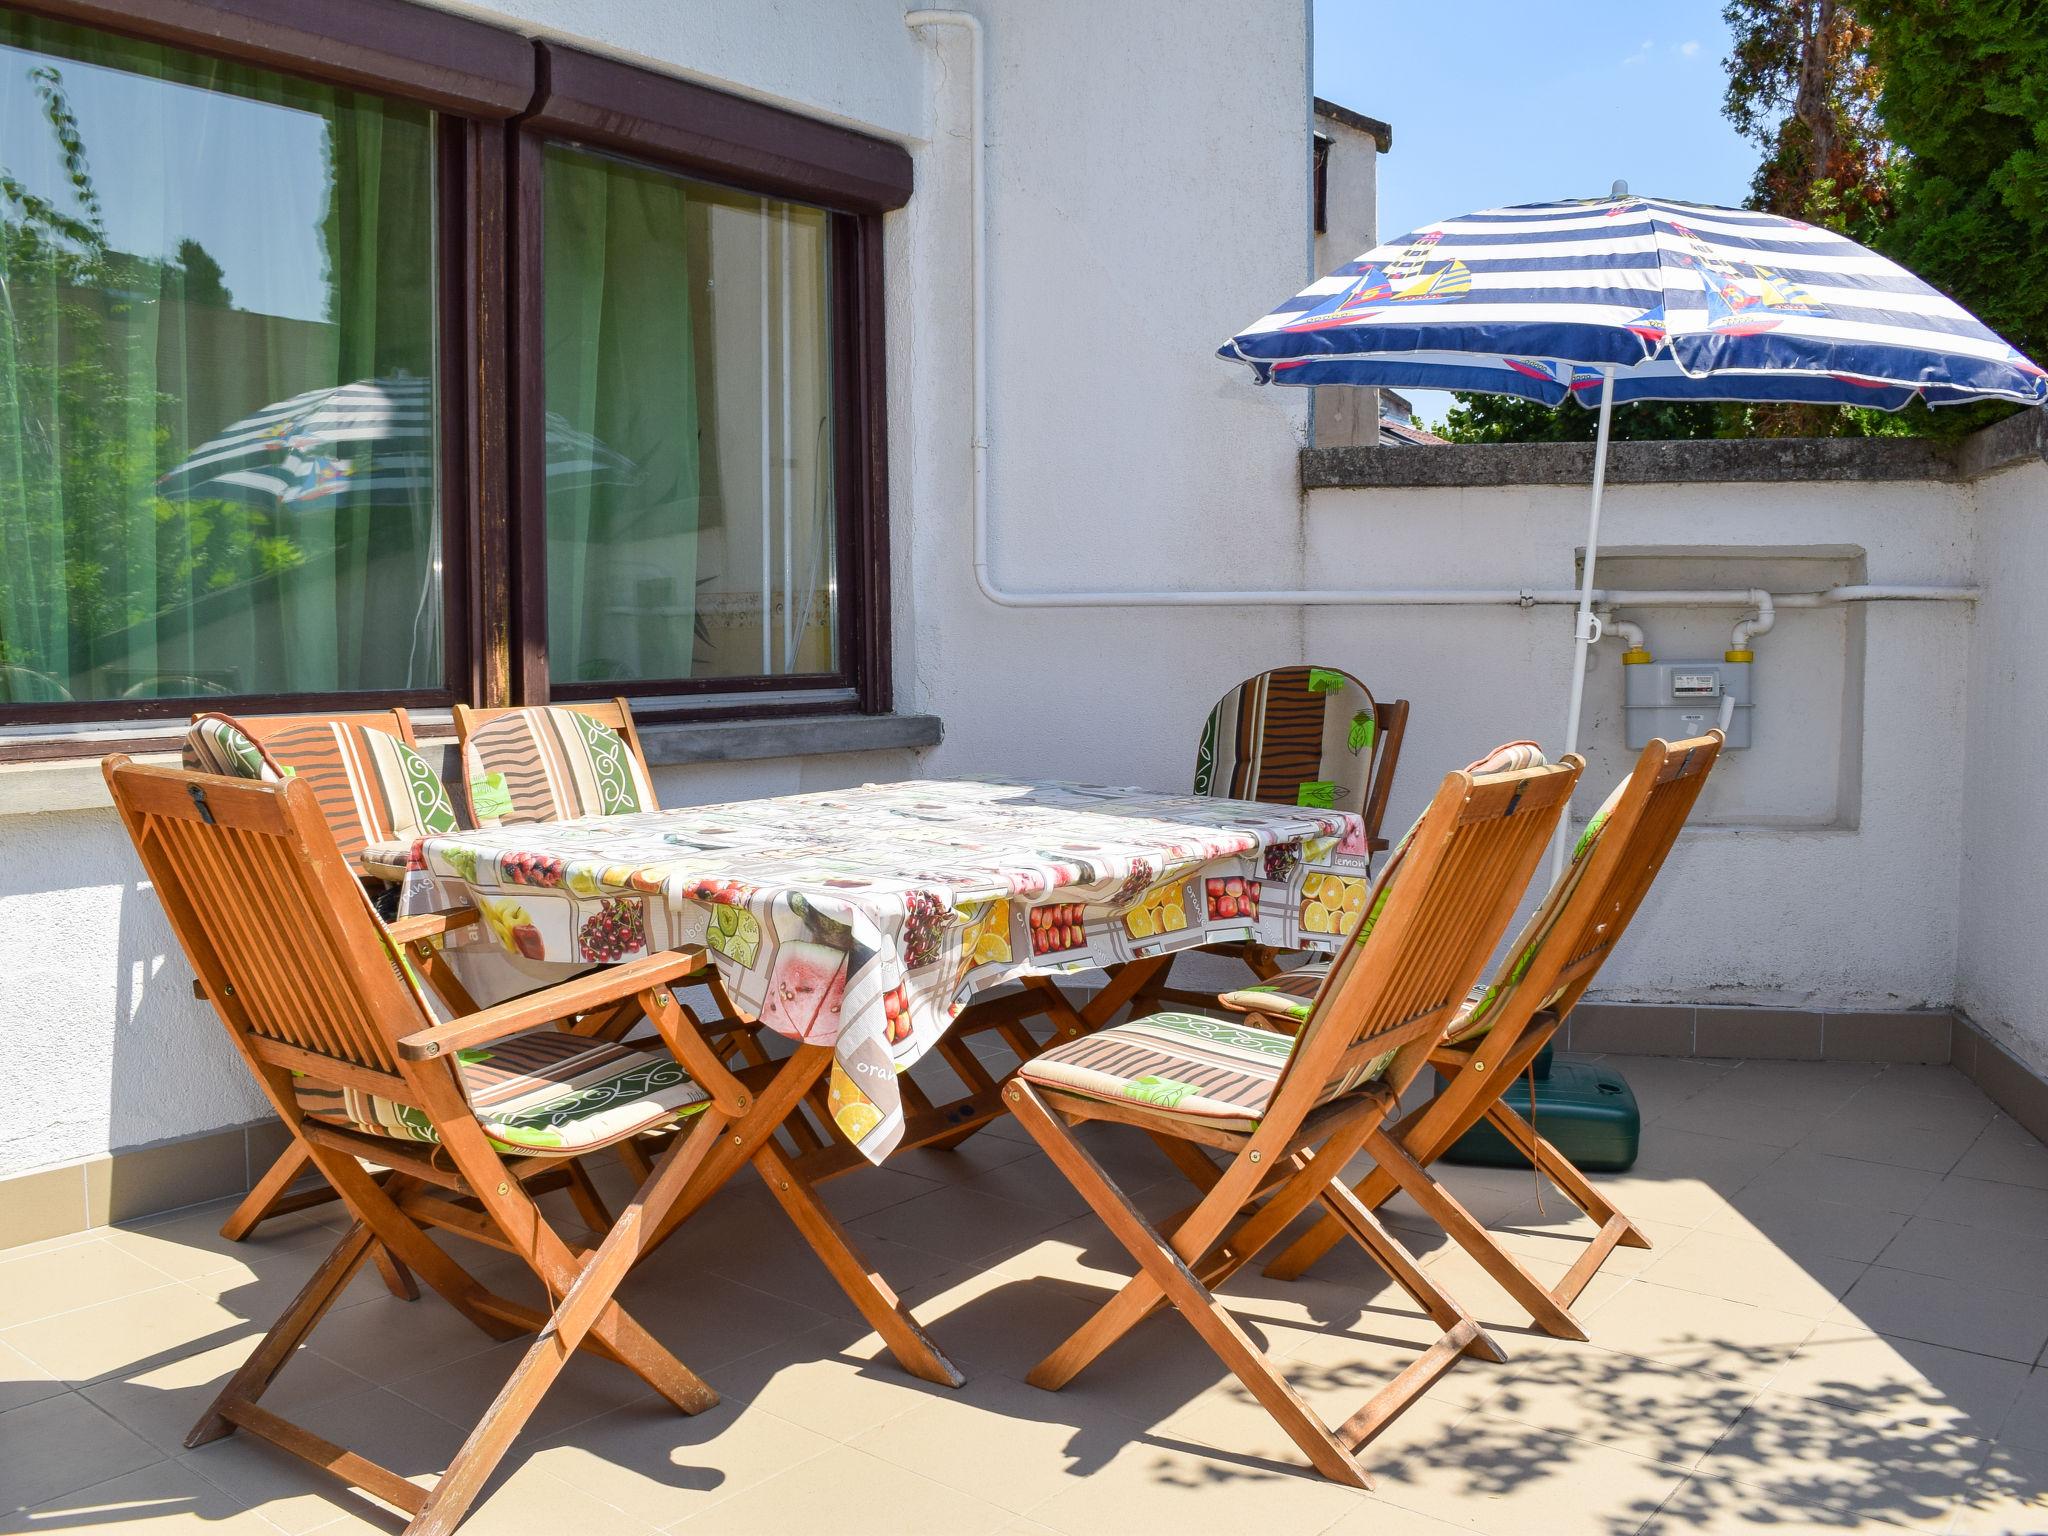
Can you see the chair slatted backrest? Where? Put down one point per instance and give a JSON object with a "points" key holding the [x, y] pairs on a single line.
{"points": [[1643, 826], [1302, 736], [514, 743], [1435, 915], [272, 919]]}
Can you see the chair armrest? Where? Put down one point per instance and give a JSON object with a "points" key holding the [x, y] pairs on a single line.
{"points": [[593, 989], [424, 925]]}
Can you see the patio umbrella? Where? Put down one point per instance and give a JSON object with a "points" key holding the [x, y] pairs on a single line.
{"points": [[1634, 298], [372, 440]]}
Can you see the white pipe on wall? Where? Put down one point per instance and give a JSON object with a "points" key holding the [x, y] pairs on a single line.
{"points": [[1519, 597]]}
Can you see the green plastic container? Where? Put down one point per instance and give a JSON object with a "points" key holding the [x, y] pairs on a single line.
{"points": [[1583, 1108]]}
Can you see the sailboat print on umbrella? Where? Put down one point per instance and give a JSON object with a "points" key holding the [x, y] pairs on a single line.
{"points": [[1743, 303], [1406, 280]]}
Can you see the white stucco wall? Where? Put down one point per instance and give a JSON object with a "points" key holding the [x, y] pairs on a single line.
{"points": [[1743, 913], [2002, 894]]}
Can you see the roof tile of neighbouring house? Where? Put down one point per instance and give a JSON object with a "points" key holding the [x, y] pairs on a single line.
{"points": [[1382, 133], [1394, 433]]}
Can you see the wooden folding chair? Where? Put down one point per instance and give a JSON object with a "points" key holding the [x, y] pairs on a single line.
{"points": [[368, 801], [1293, 736], [1506, 1024], [468, 1116], [1293, 1110], [547, 768]]}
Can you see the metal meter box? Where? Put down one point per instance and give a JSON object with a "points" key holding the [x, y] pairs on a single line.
{"points": [[1677, 699]]}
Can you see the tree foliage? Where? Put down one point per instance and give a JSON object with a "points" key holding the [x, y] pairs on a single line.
{"points": [[1966, 100], [1511, 419]]}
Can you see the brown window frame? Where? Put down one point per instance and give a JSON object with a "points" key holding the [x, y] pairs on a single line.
{"points": [[500, 96]]}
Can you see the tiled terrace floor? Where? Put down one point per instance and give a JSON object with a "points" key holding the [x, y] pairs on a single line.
{"points": [[1839, 1328]]}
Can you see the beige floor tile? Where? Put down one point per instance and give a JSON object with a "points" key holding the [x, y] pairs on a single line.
{"points": [[1671, 1197], [706, 1320], [1686, 1331], [1811, 1175], [162, 1401], [1974, 1318], [2027, 1423], [1986, 1203], [1930, 1079], [1727, 1112], [385, 1338], [1862, 1371], [1717, 1506], [781, 1263], [1507, 1479], [1817, 1087], [60, 1445], [1047, 1440], [1645, 1407], [1743, 1269], [2010, 1261], [1806, 1228], [1882, 1139], [2007, 1154], [1559, 1232], [867, 1190], [661, 1466], [1480, 1294], [991, 1320], [115, 1336], [162, 1500], [1035, 1182], [63, 1279], [960, 1223], [1376, 1517], [462, 1390], [815, 1380], [23, 1381], [981, 1152], [1155, 1486], [1661, 1083], [2008, 1496], [527, 1501], [1911, 1470], [1898, 1105], [849, 1493], [187, 1243]]}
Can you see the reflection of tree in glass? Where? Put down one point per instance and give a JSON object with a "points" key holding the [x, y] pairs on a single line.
{"points": [[87, 551]]}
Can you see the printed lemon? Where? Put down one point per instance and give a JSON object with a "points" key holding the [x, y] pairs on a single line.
{"points": [[1311, 886], [851, 1110], [1354, 897], [993, 947], [1315, 917], [1139, 922], [1175, 917]]}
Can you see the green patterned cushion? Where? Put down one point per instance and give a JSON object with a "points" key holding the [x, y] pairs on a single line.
{"points": [[371, 786], [1184, 1063], [220, 744], [551, 764], [540, 1092]]}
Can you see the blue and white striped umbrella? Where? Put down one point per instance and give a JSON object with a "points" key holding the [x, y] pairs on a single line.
{"points": [[1634, 298], [1685, 301], [368, 442]]}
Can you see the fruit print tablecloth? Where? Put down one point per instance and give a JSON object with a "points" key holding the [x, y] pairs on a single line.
{"points": [[867, 918]]}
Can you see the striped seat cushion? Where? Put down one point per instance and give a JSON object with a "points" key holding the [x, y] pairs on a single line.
{"points": [[551, 764], [1292, 736], [1216, 1070], [220, 744], [540, 1092], [371, 787]]}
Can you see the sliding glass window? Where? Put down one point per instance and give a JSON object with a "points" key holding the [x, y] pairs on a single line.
{"points": [[690, 503], [217, 363]]}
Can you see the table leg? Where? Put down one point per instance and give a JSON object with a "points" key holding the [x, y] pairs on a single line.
{"points": [[751, 1138]]}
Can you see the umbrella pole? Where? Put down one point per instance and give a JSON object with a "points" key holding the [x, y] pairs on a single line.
{"points": [[1588, 630]]}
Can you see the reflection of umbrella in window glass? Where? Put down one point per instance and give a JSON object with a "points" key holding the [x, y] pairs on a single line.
{"points": [[369, 441]]}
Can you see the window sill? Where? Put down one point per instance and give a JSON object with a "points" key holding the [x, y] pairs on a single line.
{"points": [[74, 783]]}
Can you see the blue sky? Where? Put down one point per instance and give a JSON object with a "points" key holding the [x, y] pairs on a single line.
{"points": [[1502, 101]]}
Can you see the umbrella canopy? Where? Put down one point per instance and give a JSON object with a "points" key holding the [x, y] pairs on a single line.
{"points": [[1684, 300], [1634, 298], [372, 441]]}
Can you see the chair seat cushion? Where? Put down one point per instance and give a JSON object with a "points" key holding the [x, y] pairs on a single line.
{"points": [[545, 1091], [1292, 997], [1216, 1070], [390, 860]]}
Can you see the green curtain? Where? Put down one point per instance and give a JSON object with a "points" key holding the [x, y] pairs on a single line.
{"points": [[139, 188], [621, 365]]}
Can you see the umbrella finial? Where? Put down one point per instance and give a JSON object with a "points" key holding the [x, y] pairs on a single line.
{"points": [[1619, 189]]}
